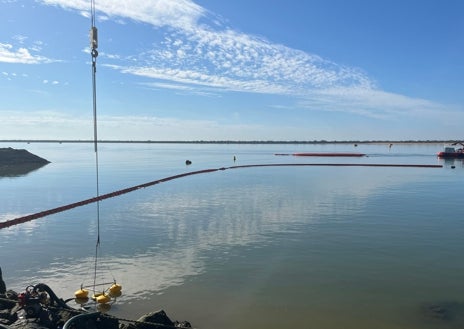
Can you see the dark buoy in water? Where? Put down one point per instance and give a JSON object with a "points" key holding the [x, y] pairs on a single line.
{"points": [[452, 167], [188, 162]]}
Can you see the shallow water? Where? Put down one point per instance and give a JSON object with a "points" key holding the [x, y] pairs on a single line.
{"points": [[316, 246]]}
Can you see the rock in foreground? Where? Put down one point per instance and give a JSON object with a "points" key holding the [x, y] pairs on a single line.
{"points": [[39, 308]]}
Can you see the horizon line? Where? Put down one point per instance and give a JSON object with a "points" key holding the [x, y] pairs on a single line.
{"points": [[226, 141]]}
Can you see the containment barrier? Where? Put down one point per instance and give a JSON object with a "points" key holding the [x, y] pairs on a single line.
{"points": [[48, 212]]}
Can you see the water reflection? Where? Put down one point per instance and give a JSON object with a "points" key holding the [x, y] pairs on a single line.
{"points": [[164, 237], [18, 170], [161, 236], [458, 163], [19, 162]]}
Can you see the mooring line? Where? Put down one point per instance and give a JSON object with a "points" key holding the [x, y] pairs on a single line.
{"points": [[28, 218]]}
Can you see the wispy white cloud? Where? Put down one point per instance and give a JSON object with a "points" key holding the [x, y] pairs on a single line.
{"points": [[192, 77], [180, 14], [8, 54], [182, 88], [54, 82], [59, 125], [230, 61], [20, 38], [198, 51], [174, 86], [374, 103]]}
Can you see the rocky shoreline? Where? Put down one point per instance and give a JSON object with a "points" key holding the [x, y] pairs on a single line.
{"points": [[39, 308], [10, 156], [17, 162]]}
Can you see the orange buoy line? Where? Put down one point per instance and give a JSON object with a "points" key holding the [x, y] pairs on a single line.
{"points": [[28, 218], [48, 212], [340, 165], [324, 154]]}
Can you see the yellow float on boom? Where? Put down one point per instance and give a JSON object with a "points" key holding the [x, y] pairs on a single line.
{"points": [[115, 290], [81, 293]]}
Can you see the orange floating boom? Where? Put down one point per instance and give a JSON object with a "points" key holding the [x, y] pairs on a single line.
{"points": [[41, 214], [323, 154]]}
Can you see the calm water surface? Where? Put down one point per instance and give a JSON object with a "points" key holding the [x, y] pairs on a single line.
{"points": [[261, 247]]}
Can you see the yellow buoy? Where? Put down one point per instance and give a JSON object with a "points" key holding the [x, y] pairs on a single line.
{"points": [[115, 288], [81, 293], [103, 298], [96, 295]]}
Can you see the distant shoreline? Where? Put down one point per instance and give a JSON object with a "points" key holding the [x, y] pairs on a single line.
{"points": [[228, 141]]}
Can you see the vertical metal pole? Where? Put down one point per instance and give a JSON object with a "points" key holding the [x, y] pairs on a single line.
{"points": [[94, 53]]}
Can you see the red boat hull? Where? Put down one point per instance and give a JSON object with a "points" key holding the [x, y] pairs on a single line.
{"points": [[451, 155]]}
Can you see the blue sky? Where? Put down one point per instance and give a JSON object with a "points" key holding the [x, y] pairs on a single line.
{"points": [[234, 70]]}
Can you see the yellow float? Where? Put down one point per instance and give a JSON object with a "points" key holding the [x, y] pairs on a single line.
{"points": [[115, 290], [81, 293], [103, 299]]}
